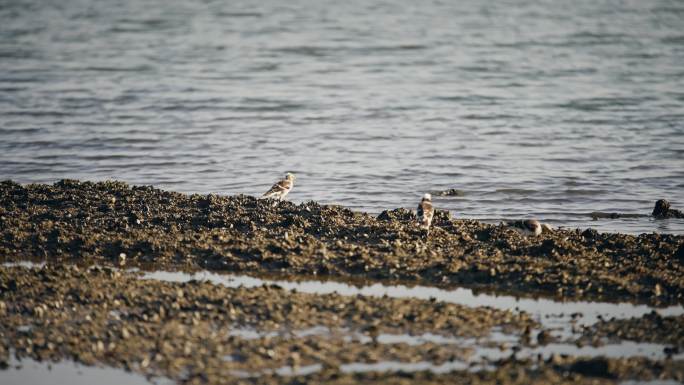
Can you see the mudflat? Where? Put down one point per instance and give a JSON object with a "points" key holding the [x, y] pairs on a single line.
{"points": [[112, 222], [91, 299]]}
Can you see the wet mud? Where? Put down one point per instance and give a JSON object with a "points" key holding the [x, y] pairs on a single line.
{"points": [[651, 327], [117, 224], [109, 292], [186, 332]]}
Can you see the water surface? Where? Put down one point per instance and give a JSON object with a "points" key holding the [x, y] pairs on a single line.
{"points": [[28, 371], [560, 316], [532, 108]]}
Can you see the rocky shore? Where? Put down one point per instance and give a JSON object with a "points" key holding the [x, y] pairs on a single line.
{"points": [[89, 299], [186, 332], [117, 224]]}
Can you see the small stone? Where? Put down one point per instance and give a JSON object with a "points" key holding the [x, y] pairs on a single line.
{"points": [[544, 337], [658, 290], [590, 234]]}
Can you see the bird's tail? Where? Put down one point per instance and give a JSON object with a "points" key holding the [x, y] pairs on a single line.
{"points": [[268, 195]]}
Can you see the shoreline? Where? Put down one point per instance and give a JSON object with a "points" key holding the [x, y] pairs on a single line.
{"points": [[327, 313], [197, 332], [112, 223]]}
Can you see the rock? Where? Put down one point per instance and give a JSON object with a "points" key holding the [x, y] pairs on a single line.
{"points": [[679, 254], [544, 337], [168, 230], [590, 234], [662, 206], [595, 367], [442, 216], [547, 246], [452, 192], [400, 214], [662, 210]]}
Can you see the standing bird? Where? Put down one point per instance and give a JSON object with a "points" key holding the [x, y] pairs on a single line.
{"points": [[528, 227], [425, 212], [281, 189]]}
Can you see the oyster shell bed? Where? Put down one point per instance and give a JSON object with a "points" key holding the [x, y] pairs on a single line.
{"points": [[112, 222], [182, 332], [88, 304]]}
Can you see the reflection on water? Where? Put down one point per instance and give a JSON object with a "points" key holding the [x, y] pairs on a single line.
{"points": [[551, 314], [531, 108], [480, 353], [30, 372], [496, 346], [482, 359]]}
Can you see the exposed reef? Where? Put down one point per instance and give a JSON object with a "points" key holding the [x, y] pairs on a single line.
{"points": [[186, 332], [114, 223]]}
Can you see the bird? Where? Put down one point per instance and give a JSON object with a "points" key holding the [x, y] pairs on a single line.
{"points": [[280, 189], [425, 212], [528, 227]]}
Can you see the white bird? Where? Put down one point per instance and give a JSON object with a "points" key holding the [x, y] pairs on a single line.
{"points": [[425, 212], [528, 227], [281, 189]]}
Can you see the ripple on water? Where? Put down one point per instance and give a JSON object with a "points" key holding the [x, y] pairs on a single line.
{"points": [[443, 96]]}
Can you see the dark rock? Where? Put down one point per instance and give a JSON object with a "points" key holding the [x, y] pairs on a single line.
{"points": [[544, 337], [602, 215], [679, 254], [590, 234], [595, 367], [662, 210], [400, 214], [452, 192], [547, 246], [441, 216]]}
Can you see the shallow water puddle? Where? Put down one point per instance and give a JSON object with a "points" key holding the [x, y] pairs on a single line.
{"points": [[251, 334], [396, 366], [28, 371], [498, 345], [482, 358], [618, 350], [362, 367], [555, 315], [382, 338], [25, 264], [282, 371]]}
